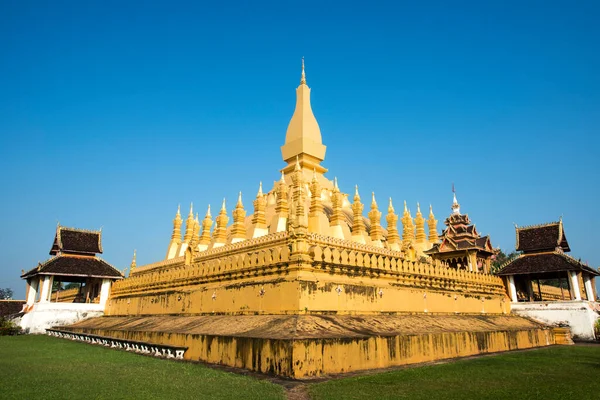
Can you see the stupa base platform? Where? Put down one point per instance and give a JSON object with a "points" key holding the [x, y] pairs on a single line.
{"points": [[306, 346]]}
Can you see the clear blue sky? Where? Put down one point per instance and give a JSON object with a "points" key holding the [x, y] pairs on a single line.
{"points": [[112, 113]]}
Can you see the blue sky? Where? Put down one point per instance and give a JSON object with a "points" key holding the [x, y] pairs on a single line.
{"points": [[111, 114]]}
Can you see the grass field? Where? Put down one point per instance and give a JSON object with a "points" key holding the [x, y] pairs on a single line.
{"points": [[558, 372], [42, 367]]}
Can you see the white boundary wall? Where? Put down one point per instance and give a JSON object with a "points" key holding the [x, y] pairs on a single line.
{"points": [[47, 315], [578, 314]]}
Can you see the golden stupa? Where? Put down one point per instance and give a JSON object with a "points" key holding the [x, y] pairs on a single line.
{"points": [[306, 284]]}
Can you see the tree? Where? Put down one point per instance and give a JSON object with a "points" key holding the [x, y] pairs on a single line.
{"points": [[6, 294], [500, 258]]}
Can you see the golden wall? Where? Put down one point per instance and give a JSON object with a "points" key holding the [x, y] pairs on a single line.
{"points": [[273, 275]]}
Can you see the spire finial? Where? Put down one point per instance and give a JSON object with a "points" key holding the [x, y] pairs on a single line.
{"points": [[297, 167], [192, 209], [178, 209], [335, 184], [418, 208], [239, 202], [223, 205], [373, 201], [455, 205], [260, 192], [405, 209], [356, 195], [391, 207], [208, 212], [303, 78], [282, 180]]}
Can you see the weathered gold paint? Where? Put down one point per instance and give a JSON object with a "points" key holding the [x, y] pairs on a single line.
{"points": [[310, 346]]}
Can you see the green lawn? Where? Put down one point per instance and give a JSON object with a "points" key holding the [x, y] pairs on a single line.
{"points": [[42, 367], [560, 372]]}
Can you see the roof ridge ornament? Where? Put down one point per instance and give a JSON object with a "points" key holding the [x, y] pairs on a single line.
{"points": [[455, 206]]}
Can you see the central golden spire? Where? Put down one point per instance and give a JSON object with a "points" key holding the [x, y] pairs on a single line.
{"points": [[303, 136], [303, 77]]}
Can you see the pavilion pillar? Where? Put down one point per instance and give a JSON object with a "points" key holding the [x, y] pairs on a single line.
{"points": [[530, 288], [575, 286], [512, 288], [45, 289], [33, 286], [587, 282], [104, 291]]}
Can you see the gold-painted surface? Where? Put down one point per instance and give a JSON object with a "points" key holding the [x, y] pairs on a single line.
{"points": [[305, 346]]}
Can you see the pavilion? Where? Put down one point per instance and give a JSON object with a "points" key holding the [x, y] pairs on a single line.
{"points": [[546, 283], [75, 261]]}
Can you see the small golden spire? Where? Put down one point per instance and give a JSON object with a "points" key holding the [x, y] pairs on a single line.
{"points": [[303, 77], [393, 238], [179, 210], [220, 232], [420, 224], [238, 229], [358, 225], [335, 184], [206, 225], [375, 218], [282, 180], [432, 225], [314, 177], [297, 166], [408, 232], [189, 225], [133, 262], [259, 221]]}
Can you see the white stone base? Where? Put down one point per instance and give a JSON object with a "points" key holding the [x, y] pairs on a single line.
{"points": [[47, 315], [579, 315]]}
